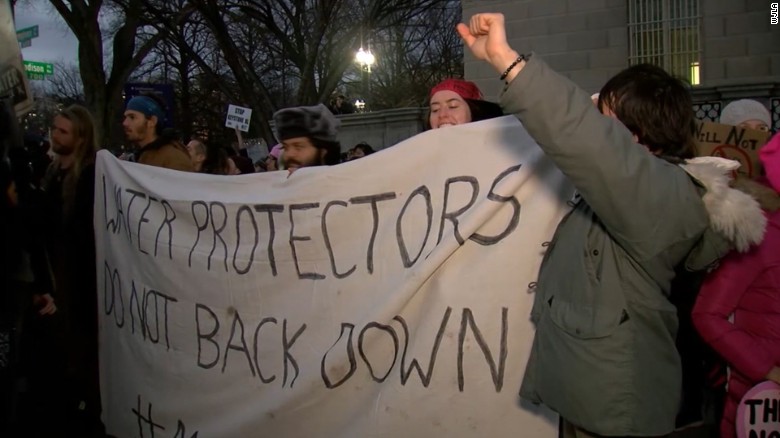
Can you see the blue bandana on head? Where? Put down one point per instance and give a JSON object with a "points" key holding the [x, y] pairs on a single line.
{"points": [[147, 106]]}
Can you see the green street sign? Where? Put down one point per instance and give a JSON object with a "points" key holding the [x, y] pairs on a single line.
{"points": [[35, 76], [42, 68], [27, 33]]}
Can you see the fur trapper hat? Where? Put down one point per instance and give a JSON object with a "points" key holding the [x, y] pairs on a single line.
{"points": [[315, 122]]}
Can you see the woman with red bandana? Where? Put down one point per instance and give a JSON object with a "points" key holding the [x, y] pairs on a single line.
{"points": [[455, 102]]}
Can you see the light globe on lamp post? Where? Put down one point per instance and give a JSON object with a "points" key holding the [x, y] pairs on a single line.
{"points": [[365, 59]]}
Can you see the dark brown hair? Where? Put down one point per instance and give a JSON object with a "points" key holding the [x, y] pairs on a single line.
{"points": [[654, 106]]}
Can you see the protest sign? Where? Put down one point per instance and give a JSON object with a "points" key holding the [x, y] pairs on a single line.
{"points": [[238, 118], [387, 296], [758, 414], [13, 81], [732, 142]]}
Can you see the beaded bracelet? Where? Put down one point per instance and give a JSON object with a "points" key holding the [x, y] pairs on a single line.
{"points": [[513, 65]]}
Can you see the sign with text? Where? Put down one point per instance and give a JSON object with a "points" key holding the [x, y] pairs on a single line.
{"points": [[38, 70], [238, 118], [13, 82], [27, 33], [758, 414], [383, 297], [732, 142], [43, 68]]}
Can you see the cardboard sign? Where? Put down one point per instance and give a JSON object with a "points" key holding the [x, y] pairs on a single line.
{"points": [[383, 297], [732, 142], [238, 118], [13, 80], [758, 414]]}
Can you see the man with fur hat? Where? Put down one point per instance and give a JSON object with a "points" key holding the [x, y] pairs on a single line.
{"points": [[308, 135], [143, 125], [746, 113]]}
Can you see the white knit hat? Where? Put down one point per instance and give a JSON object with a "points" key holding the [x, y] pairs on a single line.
{"points": [[740, 111]]}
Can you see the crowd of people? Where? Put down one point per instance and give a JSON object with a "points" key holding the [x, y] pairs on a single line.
{"points": [[627, 297]]}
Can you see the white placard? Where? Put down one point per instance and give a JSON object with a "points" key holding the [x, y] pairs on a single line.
{"points": [[238, 117]]}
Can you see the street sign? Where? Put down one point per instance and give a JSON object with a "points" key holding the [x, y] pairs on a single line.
{"points": [[42, 68], [27, 34], [25, 43]]}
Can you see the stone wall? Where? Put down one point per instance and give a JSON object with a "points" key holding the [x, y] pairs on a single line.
{"points": [[380, 129]]}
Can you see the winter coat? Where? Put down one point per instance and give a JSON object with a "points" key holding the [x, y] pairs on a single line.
{"points": [[604, 353], [747, 288], [166, 153]]}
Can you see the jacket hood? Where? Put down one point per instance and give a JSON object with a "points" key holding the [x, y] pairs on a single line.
{"points": [[734, 215]]}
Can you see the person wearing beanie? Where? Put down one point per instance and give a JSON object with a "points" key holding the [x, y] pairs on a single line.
{"points": [[308, 135], [456, 101], [746, 113], [143, 125], [737, 311]]}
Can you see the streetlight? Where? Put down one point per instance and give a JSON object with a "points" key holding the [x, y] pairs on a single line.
{"points": [[365, 59]]}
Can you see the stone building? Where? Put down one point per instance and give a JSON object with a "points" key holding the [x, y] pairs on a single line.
{"points": [[727, 49]]}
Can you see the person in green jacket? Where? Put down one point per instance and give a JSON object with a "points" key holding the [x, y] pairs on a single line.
{"points": [[604, 353]]}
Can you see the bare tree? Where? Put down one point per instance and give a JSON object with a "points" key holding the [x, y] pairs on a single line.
{"points": [[272, 46], [65, 85], [411, 59], [104, 86]]}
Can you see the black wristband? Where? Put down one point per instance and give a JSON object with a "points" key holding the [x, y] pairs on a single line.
{"points": [[513, 65]]}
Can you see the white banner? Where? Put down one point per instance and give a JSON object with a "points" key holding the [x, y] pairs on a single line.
{"points": [[384, 297]]}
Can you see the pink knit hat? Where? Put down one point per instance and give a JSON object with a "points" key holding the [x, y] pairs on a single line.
{"points": [[276, 151], [770, 158]]}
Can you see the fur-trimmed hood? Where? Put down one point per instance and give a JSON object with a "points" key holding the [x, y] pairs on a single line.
{"points": [[734, 215]]}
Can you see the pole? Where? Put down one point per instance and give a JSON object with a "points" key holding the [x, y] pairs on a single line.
{"points": [[240, 139]]}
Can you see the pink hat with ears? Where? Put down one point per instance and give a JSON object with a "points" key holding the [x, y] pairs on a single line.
{"points": [[770, 158], [276, 151]]}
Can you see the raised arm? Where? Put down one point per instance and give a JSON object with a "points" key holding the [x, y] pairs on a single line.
{"points": [[645, 202]]}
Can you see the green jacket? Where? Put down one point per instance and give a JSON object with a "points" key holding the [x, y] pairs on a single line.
{"points": [[604, 353]]}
